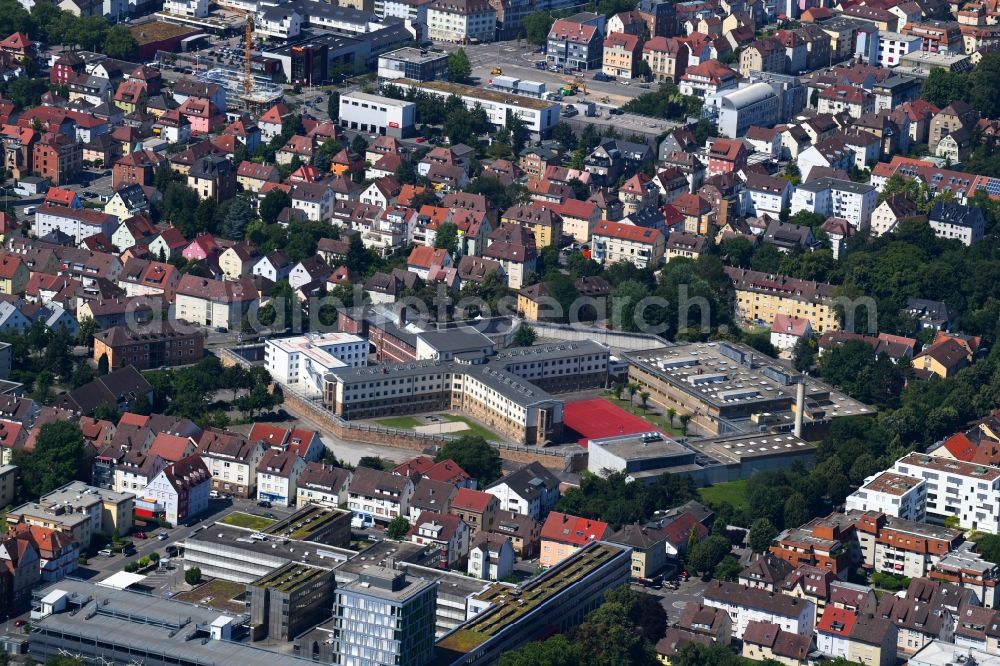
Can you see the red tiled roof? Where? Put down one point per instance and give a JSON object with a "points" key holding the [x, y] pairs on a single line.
{"points": [[626, 232], [960, 447], [837, 621], [573, 530], [472, 500]]}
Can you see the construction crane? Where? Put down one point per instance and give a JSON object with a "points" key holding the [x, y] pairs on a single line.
{"points": [[247, 76]]}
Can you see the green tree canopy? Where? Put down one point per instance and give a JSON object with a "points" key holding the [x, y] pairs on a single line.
{"points": [[475, 455], [55, 461], [536, 27], [447, 237], [459, 68], [120, 43], [707, 554], [762, 533]]}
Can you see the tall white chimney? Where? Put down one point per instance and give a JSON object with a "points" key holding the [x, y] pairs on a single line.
{"points": [[800, 406]]}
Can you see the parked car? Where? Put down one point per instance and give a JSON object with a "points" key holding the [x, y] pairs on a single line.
{"points": [[162, 536], [106, 552], [264, 503], [20, 623], [129, 551], [540, 64], [139, 535], [601, 76]]}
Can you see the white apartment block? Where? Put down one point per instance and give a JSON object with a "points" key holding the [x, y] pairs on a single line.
{"points": [[411, 10], [892, 46], [279, 22], [78, 223], [744, 604], [964, 490], [845, 199], [892, 494], [461, 21], [539, 116], [186, 8], [301, 361], [615, 241]]}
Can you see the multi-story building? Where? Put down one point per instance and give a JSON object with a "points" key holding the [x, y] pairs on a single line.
{"points": [[964, 490], [763, 55], [936, 36], [384, 617], [380, 494], [621, 55], [759, 297], [323, 484], [476, 508], [767, 641], [448, 533], [377, 115], [278, 476], [857, 637], [667, 58], [825, 543], [892, 46], [955, 221], [232, 462], [78, 223], [508, 391], [747, 604], [179, 491], [301, 362], [614, 241], [461, 21], [563, 534], [411, 63], [539, 116], [890, 494], [290, 599], [707, 78], [530, 491], [575, 45], [79, 510], [58, 158], [739, 109], [902, 547], [214, 303], [155, 346], [8, 483], [542, 221], [843, 199]]}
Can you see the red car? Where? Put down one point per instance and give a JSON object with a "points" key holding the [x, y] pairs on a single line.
{"points": [[20, 623], [139, 535]]}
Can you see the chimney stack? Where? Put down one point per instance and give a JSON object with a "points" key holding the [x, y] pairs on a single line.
{"points": [[800, 405]]}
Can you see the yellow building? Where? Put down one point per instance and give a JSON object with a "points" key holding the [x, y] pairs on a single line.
{"points": [[543, 222], [765, 640], [13, 275], [621, 55], [760, 297]]}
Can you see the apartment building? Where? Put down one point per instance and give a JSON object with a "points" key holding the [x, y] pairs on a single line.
{"points": [[278, 476], [964, 490], [843, 199], [232, 462], [955, 221], [377, 115], [621, 55], [890, 494], [79, 510], [667, 58], [825, 543], [615, 241], [461, 21], [892, 46], [574, 45], [760, 297], [747, 604], [544, 223], [161, 344], [380, 494], [77, 223], [563, 535], [530, 491], [323, 484], [902, 547], [214, 303]]}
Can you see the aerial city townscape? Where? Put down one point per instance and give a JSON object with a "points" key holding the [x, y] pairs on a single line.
{"points": [[517, 332]]}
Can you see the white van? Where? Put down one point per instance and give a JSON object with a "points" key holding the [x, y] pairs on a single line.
{"points": [[30, 210], [214, 494], [362, 520]]}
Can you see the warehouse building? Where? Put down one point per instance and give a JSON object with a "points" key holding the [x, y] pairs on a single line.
{"points": [[377, 115]]}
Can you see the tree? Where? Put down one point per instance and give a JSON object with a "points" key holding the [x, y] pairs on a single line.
{"points": [[374, 462], [237, 218], [447, 237], [55, 461], [557, 650], [728, 569], [192, 576], [803, 354], [459, 68], [707, 554], [796, 510], [537, 26], [644, 399], [102, 365], [333, 105], [984, 86], [525, 336], [671, 413], [475, 455], [397, 528], [943, 87], [685, 420], [274, 202], [120, 43], [762, 533]]}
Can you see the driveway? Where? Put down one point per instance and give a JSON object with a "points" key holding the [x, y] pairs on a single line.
{"points": [[674, 601]]}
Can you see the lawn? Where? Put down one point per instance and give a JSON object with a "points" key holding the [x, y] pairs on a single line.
{"points": [[410, 422], [402, 422], [249, 521], [733, 492], [635, 408]]}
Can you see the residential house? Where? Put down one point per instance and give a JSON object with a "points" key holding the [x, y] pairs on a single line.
{"points": [[767, 641], [667, 58], [622, 55], [214, 303], [746, 605], [232, 462], [323, 484], [380, 494], [563, 534], [476, 508], [180, 490], [615, 241], [277, 476]]}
